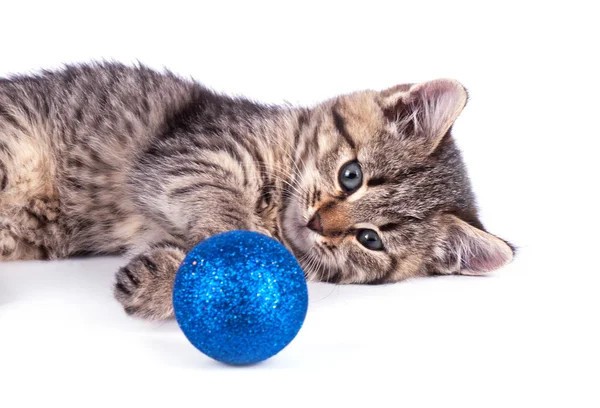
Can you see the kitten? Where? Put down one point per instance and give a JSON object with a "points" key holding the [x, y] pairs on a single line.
{"points": [[363, 188]]}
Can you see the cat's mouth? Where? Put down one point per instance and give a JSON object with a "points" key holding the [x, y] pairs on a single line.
{"points": [[296, 233], [319, 263]]}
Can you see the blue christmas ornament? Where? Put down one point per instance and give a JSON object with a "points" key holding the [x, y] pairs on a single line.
{"points": [[240, 297]]}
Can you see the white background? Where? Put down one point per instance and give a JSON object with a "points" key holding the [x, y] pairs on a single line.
{"points": [[525, 336]]}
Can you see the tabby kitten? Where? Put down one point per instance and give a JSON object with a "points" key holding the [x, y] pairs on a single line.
{"points": [[363, 188]]}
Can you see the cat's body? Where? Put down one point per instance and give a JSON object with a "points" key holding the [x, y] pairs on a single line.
{"points": [[104, 158]]}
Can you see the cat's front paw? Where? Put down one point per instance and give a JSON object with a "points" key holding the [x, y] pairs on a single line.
{"points": [[144, 287]]}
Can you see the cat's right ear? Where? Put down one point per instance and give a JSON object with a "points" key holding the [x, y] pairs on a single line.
{"points": [[423, 113]]}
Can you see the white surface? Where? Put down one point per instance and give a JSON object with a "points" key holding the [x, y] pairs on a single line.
{"points": [[525, 336]]}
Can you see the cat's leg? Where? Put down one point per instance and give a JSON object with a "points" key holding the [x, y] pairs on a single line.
{"points": [[13, 248], [29, 204], [28, 232], [144, 286], [194, 208]]}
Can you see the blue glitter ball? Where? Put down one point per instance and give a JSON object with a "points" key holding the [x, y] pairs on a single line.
{"points": [[240, 297]]}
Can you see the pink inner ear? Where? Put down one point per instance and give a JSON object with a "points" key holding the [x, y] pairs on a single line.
{"points": [[486, 261], [481, 252], [439, 103], [434, 89]]}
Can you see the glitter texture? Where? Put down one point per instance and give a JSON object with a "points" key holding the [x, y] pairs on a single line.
{"points": [[240, 297]]}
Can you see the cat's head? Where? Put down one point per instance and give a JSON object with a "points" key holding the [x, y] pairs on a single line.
{"points": [[380, 191]]}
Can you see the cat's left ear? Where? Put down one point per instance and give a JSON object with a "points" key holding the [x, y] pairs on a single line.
{"points": [[467, 250], [424, 112]]}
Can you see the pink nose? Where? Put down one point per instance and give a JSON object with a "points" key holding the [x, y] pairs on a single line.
{"points": [[315, 223]]}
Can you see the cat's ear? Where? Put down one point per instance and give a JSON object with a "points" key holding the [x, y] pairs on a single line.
{"points": [[424, 112], [467, 250]]}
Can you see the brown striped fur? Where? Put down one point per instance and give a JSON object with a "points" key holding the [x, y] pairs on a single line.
{"points": [[105, 158]]}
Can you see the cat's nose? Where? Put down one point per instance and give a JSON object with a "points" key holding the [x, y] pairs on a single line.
{"points": [[315, 224]]}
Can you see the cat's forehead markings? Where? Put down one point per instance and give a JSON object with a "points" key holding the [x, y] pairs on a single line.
{"points": [[324, 139], [360, 115], [341, 127]]}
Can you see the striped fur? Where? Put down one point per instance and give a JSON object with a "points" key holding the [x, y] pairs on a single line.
{"points": [[105, 158]]}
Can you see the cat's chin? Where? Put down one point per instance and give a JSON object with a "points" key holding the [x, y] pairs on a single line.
{"points": [[296, 234]]}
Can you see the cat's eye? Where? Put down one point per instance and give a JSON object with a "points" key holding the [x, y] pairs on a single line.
{"points": [[350, 176], [369, 239]]}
